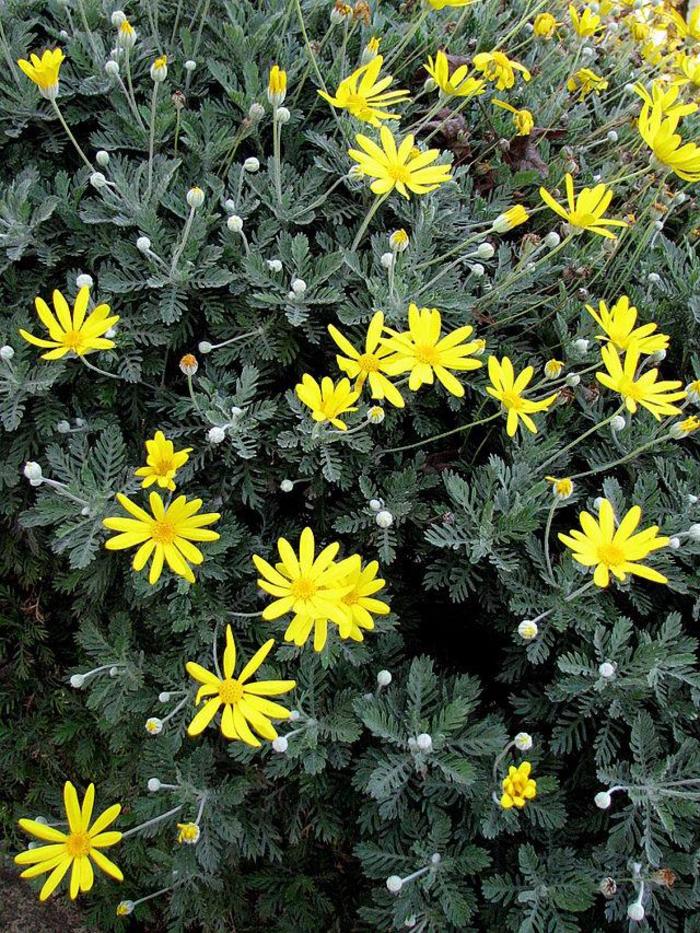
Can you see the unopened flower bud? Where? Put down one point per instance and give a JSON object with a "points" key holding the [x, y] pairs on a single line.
{"points": [[674, 543], [252, 165], [256, 112], [97, 180], [112, 68], [84, 281], [190, 65], [375, 504], [384, 678], [477, 269], [195, 197], [204, 347], [424, 742], [102, 157], [399, 240], [274, 265], [572, 380], [63, 427], [6, 353], [164, 697], [286, 485], [635, 912], [552, 240], [612, 136], [606, 670], [394, 884], [608, 887], [694, 531], [658, 356], [282, 115], [582, 345], [77, 681], [298, 286], [654, 278], [235, 223], [154, 726], [154, 784], [523, 741], [189, 364], [118, 18], [384, 519], [375, 414], [618, 423], [124, 908], [32, 471], [280, 744], [485, 250], [143, 244], [159, 69], [553, 368], [602, 800], [387, 260], [216, 435], [527, 630]]}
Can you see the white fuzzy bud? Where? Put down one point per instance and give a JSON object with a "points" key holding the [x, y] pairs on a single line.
{"points": [[435, 858], [597, 503], [164, 697], [283, 115], [154, 726], [527, 630], [117, 18], [572, 380], [97, 180], [606, 670], [252, 165], [33, 472], [159, 70], [154, 784], [629, 89], [280, 744], [102, 157], [286, 485], [274, 265], [659, 356], [375, 505], [552, 240], [298, 286], [190, 65], [387, 260], [216, 435], [384, 519], [394, 884], [6, 353], [424, 742], [143, 244], [204, 347], [84, 281], [582, 344], [612, 136], [230, 206], [236, 412], [376, 414], [694, 530], [256, 112], [635, 912], [195, 197], [124, 908], [602, 800], [235, 223], [77, 681], [587, 52], [523, 741], [294, 715], [674, 543], [618, 424], [384, 678], [654, 278], [485, 251], [477, 269], [112, 68]]}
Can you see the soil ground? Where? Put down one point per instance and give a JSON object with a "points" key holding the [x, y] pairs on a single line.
{"points": [[21, 912]]}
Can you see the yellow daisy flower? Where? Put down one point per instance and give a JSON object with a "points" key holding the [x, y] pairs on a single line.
{"points": [[162, 462], [668, 149], [327, 401], [655, 396], [544, 26], [608, 549], [441, 4], [72, 332], [498, 68], [509, 391], [518, 787], [585, 24], [371, 364], [664, 98], [79, 847], [688, 67], [585, 209], [366, 97], [523, 121], [618, 324], [277, 86], [586, 82], [44, 71], [167, 534], [459, 84], [244, 705], [423, 353], [403, 168], [359, 601]]}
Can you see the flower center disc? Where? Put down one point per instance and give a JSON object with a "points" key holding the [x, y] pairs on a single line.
{"points": [[230, 691], [425, 353], [611, 554], [162, 532], [72, 339], [368, 363], [512, 400], [78, 844], [303, 588], [399, 173]]}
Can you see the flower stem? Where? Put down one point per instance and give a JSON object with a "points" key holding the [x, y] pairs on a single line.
{"points": [[277, 153], [151, 138], [183, 243], [596, 427], [72, 138], [156, 819], [96, 369], [378, 201], [437, 437]]}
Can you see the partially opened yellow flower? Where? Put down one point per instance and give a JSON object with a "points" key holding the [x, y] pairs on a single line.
{"points": [[688, 69], [585, 24], [365, 96], [667, 146], [162, 462], [656, 397], [614, 550], [370, 365], [327, 401], [405, 168], [544, 25], [586, 82], [441, 4], [664, 97], [246, 710], [586, 209], [618, 326], [425, 354], [72, 332], [523, 121], [509, 391], [458, 84], [498, 68], [44, 71], [276, 86], [360, 602], [78, 848], [686, 28], [518, 786], [166, 535]]}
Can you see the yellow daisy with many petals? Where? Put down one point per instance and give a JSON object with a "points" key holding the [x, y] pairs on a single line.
{"points": [[614, 550], [667, 147], [162, 462], [618, 326], [359, 601], [73, 332], [44, 71], [509, 391], [458, 84], [78, 848], [404, 168], [423, 353], [166, 535], [586, 82], [498, 68], [585, 24], [586, 209], [328, 401], [370, 365], [245, 709], [621, 377], [364, 95]]}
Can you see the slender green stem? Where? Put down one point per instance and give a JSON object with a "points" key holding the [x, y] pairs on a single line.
{"points": [[205, 13], [378, 201], [72, 138], [581, 437], [178, 13], [177, 130], [183, 242], [406, 39], [277, 153], [156, 819], [630, 456], [96, 369], [190, 389], [437, 437], [547, 529], [130, 86], [88, 31], [152, 138]]}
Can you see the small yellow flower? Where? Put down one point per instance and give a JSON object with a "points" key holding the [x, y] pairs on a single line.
{"points": [[585, 209], [79, 847], [327, 401], [359, 602], [586, 82], [44, 71], [664, 98], [393, 166], [124, 908], [639, 30], [655, 396], [498, 68], [523, 121], [553, 368], [459, 84], [618, 326], [375, 414], [167, 534], [561, 488], [126, 36], [189, 364], [688, 426], [423, 353], [245, 707], [687, 29], [509, 391], [372, 46], [399, 240], [371, 364], [441, 4], [688, 67], [518, 786], [159, 69], [586, 24], [599, 544], [544, 26], [693, 390], [162, 462], [365, 96], [668, 149], [513, 217], [73, 332], [277, 86], [188, 833]]}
